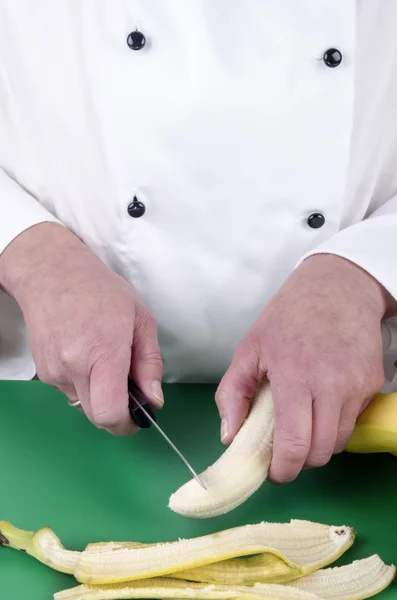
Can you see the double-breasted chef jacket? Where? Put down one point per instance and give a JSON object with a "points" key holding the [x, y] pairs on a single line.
{"points": [[202, 149]]}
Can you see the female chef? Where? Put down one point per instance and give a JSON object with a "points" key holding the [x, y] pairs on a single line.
{"points": [[202, 191]]}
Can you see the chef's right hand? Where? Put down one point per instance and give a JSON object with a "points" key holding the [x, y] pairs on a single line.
{"points": [[88, 329]]}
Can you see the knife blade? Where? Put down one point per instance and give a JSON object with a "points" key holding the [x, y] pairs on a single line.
{"points": [[143, 416]]}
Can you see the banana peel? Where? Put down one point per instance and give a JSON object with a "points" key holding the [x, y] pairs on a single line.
{"points": [[376, 428], [300, 544], [357, 581], [289, 550], [43, 545], [164, 589], [274, 575], [263, 568]]}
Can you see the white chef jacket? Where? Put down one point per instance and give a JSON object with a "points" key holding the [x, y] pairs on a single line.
{"points": [[231, 130]]}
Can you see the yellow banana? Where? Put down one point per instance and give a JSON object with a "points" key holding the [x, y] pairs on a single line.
{"points": [[376, 428]]}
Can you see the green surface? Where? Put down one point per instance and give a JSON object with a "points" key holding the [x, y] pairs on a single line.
{"points": [[58, 470]]}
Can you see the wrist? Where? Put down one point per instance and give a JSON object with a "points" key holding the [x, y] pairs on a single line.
{"points": [[369, 291], [32, 253]]}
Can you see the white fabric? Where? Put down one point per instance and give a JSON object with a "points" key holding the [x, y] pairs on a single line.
{"points": [[231, 130]]}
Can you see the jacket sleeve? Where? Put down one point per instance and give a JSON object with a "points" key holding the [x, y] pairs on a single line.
{"points": [[18, 210], [370, 244]]}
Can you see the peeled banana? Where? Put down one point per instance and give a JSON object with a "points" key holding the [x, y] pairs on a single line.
{"points": [[376, 428], [239, 472]]}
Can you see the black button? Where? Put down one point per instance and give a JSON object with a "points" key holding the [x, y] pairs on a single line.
{"points": [[136, 209], [136, 40], [316, 220], [332, 57]]}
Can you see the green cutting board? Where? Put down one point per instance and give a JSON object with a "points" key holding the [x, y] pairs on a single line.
{"points": [[56, 469]]}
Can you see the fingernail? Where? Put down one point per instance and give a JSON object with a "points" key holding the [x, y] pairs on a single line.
{"points": [[157, 393], [224, 430]]}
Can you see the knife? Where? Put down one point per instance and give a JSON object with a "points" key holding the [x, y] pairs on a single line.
{"points": [[144, 417]]}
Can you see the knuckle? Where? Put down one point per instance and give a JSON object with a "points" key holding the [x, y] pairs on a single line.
{"points": [[291, 373], [294, 450], [364, 380], [47, 378], [104, 419], [377, 382], [221, 396], [249, 352], [318, 459], [283, 474], [153, 358], [342, 441], [247, 364], [106, 414], [346, 427], [113, 419], [53, 375], [335, 381], [72, 355], [144, 320], [101, 353]]}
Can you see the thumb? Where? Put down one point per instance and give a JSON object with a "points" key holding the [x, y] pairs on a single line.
{"points": [[236, 390], [146, 362]]}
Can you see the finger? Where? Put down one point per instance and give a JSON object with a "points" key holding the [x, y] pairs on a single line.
{"points": [[347, 420], [364, 405], [109, 394], [325, 423], [77, 387], [146, 362], [292, 429], [77, 407], [236, 389], [82, 386], [68, 389], [72, 395]]}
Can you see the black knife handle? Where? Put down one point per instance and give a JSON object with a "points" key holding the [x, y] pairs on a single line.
{"points": [[139, 418]]}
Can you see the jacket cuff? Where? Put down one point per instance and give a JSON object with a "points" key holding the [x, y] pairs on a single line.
{"points": [[370, 244], [19, 211]]}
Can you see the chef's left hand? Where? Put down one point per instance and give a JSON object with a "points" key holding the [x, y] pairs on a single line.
{"points": [[319, 344]]}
